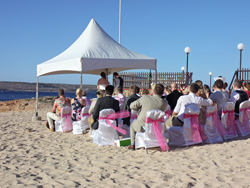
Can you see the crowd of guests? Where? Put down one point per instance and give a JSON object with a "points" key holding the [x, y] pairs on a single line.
{"points": [[143, 100]]}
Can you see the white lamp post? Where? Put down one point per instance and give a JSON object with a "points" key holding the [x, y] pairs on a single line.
{"points": [[210, 74], [187, 51], [241, 46]]}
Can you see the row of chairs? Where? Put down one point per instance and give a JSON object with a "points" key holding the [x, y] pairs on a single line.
{"points": [[192, 132]]}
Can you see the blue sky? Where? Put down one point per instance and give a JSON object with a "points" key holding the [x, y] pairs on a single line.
{"points": [[33, 32]]}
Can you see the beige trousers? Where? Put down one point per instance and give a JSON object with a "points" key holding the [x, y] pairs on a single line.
{"points": [[52, 116]]}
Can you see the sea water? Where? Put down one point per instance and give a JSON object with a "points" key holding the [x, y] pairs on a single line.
{"points": [[13, 95]]}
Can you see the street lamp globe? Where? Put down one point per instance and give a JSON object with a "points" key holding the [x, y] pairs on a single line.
{"points": [[210, 73], [187, 50], [241, 46], [182, 68]]}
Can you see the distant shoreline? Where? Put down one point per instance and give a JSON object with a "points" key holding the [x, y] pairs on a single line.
{"points": [[44, 87]]}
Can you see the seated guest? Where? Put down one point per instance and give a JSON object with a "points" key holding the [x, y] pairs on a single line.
{"points": [[174, 96], [200, 93], [182, 88], [138, 91], [77, 104], [168, 90], [106, 102], [84, 97], [238, 96], [128, 100], [146, 103], [186, 90], [225, 92], [177, 118], [102, 82], [99, 94], [144, 92], [120, 97], [217, 96], [246, 88], [207, 90], [55, 113]]}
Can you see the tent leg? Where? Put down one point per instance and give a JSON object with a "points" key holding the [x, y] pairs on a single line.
{"points": [[81, 81], [36, 117]]}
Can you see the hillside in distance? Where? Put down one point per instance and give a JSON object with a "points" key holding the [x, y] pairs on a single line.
{"points": [[44, 87]]}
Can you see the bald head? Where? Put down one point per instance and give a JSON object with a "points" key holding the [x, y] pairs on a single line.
{"points": [[173, 86]]}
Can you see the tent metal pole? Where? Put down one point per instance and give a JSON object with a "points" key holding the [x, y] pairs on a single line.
{"points": [[36, 96], [156, 72], [120, 20], [81, 81]]}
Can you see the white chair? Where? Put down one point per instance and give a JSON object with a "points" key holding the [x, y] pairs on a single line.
{"points": [[150, 138], [190, 132], [80, 126], [133, 116], [105, 134], [65, 124], [227, 120], [211, 127], [243, 124]]}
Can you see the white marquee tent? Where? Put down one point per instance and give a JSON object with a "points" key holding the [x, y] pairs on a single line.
{"points": [[92, 53]]}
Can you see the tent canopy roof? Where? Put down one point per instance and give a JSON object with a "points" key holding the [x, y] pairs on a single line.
{"points": [[93, 52]]}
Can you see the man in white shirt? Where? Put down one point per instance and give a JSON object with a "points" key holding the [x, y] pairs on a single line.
{"points": [[238, 96], [177, 118]]}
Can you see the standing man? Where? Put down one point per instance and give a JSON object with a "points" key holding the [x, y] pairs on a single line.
{"points": [[146, 103], [118, 81], [105, 103], [174, 96], [55, 113]]}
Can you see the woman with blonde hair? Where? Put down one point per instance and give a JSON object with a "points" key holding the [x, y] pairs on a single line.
{"points": [[77, 104]]}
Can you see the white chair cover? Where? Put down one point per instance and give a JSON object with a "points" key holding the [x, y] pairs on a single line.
{"points": [[210, 128], [243, 124], [183, 136], [133, 116], [65, 124], [148, 139], [80, 126], [227, 120], [105, 134]]}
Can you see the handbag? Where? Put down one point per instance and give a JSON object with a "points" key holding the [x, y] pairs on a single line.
{"points": [[95, 125]]}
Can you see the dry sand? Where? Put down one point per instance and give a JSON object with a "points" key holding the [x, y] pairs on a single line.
{"points": [[40, 158]]}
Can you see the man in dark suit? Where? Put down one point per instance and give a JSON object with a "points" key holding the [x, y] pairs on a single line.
{"points": [[128, 100], [174, 96], [105, 103]]}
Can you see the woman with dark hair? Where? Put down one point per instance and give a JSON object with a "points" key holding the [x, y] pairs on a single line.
{"points": [[207, 90], [102, 82]]}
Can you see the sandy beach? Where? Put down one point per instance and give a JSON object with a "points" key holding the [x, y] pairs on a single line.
{"points": [[39, 158]]}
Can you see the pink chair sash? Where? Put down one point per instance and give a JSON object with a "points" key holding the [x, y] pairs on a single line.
{"points": [[198, 133], [68, 124], [133, 117], [157, 130], [117, 115], [168, 113], [217, 122], [230, 121]]}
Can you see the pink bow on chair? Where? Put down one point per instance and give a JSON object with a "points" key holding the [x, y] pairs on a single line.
{"points": [[217, 122], [168, 113], [197, 130], [230, 120], [68, 124], [117, 115], [157, 129]]}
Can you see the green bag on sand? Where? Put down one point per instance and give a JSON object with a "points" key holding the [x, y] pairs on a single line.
{"points": [[122, 142]]}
